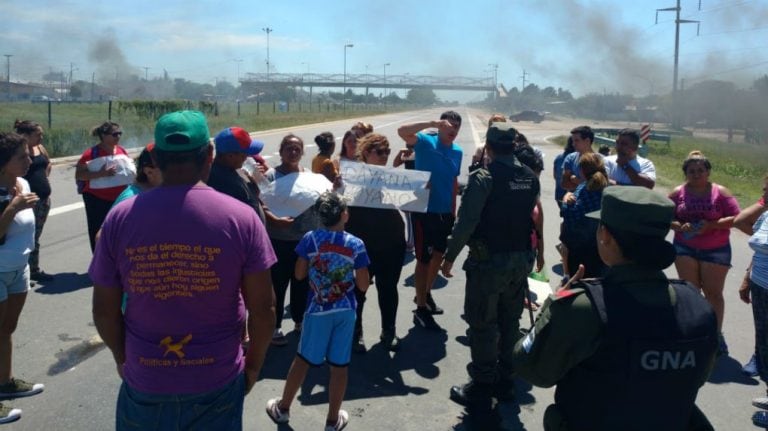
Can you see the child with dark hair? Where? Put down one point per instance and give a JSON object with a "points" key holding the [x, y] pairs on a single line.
{"points": [[148, 176], [604, 150], [322, 163], [336, 264]]}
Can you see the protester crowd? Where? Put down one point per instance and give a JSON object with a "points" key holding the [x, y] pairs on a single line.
{"points": [[189, 318]]}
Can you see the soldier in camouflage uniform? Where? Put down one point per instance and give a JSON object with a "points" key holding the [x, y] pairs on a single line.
{"points": [[631, 350]]}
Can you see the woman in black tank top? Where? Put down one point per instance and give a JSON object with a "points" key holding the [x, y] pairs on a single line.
{"points": [[37, 176]]}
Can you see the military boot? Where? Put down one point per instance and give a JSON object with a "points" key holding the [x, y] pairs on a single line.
{"points": [[504, 389], [473, 394]]}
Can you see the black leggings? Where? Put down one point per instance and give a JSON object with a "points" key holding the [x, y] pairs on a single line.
{"points": [[282, 274], [96, 210], [385, 268]]}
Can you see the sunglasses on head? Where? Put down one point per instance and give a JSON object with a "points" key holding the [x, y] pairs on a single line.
{"points": [[381, 151]]}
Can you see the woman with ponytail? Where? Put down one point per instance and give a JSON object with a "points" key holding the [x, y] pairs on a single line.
{"points": [[578, 232]]}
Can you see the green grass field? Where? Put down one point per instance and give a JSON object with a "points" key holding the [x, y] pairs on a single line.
{"points": [[739, 167], [69, 133]]}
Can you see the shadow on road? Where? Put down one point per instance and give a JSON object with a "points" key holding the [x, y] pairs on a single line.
{"points": [[71, 357], [728, 370], [64, 282], [374, 374], [504, 417], [557, 269], [440, 281]]}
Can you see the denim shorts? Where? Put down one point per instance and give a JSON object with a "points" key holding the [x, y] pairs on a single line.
{"points": [[327, 337], [14, 282], [719, 256], [220, 409]]}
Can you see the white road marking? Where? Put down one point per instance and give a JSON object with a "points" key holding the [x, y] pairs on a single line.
{"points": [[475, 136], [66, 208]]}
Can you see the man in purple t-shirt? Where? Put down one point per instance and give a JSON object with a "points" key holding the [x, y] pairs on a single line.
{"points": [[191, 261]]}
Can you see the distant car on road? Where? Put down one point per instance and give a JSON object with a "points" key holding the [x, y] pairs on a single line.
{"points": [[535, 116]]}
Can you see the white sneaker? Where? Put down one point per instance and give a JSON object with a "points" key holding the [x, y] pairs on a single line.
{"points": [[273, 411], [760, 402], [341, 422], [8, 414]]}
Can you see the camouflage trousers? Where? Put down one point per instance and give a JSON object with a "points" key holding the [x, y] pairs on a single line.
{"points": [[493, 304]]}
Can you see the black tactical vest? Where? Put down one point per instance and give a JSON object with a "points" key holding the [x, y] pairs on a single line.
{"points": [[646, 373], [506, 224]]}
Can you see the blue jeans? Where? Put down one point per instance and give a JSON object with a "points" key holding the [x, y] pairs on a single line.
{"points": [[221, 409]]}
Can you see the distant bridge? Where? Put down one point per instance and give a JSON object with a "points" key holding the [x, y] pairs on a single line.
{"points": [[463, 83]]}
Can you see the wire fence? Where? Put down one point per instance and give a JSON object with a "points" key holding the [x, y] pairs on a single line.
{"points": [[68, 124]]}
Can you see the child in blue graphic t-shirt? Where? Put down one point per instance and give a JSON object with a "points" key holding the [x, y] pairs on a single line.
{"points": [[336, 263]]}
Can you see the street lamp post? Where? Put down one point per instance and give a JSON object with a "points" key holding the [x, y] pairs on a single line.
{"points": [[344, 94], [237, 78], [267, 30], [385, 80], [8, 75], [495, 69], [238, 61]]}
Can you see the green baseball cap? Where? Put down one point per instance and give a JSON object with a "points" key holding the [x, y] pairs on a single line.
{"points": [[181, 131], [501, 133], [635, 209]]}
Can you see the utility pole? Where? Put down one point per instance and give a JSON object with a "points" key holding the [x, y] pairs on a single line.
{"points": [[267, 30], [72, 68], [344, 94], [8, 75], [146, 73], [93, 84], [524, 75], [678, 21]]}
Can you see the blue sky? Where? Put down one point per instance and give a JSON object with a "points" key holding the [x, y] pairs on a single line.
{"points": [[585, 46]]}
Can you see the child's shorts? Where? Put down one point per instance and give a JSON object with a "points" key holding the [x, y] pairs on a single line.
{"points": [[327, 337]]}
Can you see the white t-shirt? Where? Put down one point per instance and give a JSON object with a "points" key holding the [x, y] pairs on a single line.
{"points": [[639, 164], [19, 238]]}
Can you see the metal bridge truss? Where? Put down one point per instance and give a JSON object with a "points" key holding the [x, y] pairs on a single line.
{"points": [[368, 81]]}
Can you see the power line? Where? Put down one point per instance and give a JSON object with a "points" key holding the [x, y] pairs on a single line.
{"points": [[722, 72], [726, 50], [736, 31], [721, 7]]}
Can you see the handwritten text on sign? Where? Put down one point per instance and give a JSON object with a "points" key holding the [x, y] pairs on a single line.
{"points": [[382, 187]]}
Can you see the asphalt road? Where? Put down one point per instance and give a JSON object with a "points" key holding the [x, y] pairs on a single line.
{"points": [[56, 342]]}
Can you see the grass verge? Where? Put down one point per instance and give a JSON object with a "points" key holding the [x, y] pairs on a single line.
{"points": [[71, 123]]}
